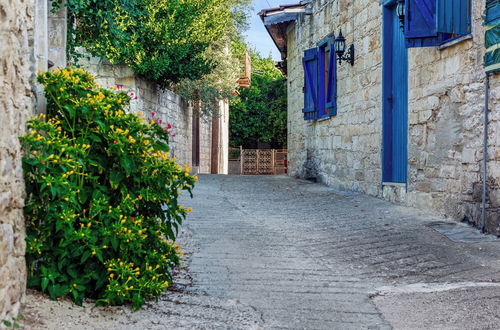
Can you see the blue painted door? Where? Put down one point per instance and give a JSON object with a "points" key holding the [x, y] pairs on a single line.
{"points": [[395, 94]]}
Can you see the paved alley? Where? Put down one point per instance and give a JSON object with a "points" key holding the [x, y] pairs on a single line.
{"points": [[306, 257], [272, 252]]}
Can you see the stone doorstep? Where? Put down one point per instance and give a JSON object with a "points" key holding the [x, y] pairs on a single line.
{"points": [[461, 232]]}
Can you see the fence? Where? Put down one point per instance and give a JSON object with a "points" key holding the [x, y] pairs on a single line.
{"points": [[257, 161]]}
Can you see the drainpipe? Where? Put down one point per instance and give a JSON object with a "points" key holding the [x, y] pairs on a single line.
{"points": [[485, 151]]}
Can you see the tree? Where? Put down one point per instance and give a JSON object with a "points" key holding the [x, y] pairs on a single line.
{"points": [[258, 114], [163, 40]]}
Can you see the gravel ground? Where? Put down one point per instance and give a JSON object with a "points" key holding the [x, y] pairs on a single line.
{"points": [[276, 253]]}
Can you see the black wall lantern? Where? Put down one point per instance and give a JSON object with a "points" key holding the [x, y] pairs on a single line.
{"points": [[400, 11], [340, 50]]}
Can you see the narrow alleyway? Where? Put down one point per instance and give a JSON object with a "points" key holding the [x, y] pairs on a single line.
{"points": [[272, 252], [304, 256]]}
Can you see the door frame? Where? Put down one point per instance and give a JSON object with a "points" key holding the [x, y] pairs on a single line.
{"points": [[387, 79]]}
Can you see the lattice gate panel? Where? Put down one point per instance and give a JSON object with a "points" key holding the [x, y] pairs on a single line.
{"points": [[249, 159], [263, 161]]}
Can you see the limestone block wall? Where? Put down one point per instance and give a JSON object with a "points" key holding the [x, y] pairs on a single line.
{"points": [[166, 106], [446, 99], [16, 103]]}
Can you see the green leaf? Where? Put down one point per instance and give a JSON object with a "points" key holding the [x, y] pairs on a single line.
{"points": [[70, 110], [114, 242], [83, 196], [7, 323], [115, 177], [45, 282], [85, 256], [128, 165]]}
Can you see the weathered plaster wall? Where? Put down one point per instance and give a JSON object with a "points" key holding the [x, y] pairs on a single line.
{"points": [[445, 115], [16, 103], [167, 106], [57, 36]]}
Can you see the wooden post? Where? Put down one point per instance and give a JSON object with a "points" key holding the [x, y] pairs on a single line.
{"points": [[273, 160], [214, 168], [241, 160], [257, 158]]}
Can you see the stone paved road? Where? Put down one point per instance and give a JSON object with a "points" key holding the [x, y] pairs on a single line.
{"points": [[305, 257]]}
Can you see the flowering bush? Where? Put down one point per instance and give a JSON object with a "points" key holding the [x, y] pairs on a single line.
{"points": [[101, 208]]}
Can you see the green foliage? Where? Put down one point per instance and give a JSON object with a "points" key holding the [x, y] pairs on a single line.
{"points": [[259, 113], [162, 40], [206, 92], [101, 208], [13, 324]]}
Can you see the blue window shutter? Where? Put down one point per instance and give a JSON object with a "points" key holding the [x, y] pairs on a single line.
{"points": [[331, 95], [420, 19], [453, 16], [421, 24], [431, 22], [310, 63]]}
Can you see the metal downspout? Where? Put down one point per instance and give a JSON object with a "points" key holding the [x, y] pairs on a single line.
{"points": [[485, 152]]}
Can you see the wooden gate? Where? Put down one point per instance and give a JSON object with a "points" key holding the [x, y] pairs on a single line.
{"points": [[263, 161]]}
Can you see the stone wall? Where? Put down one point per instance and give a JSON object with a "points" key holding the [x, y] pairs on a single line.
{"points": [[169, 108], [446, 97], [16, 103]]}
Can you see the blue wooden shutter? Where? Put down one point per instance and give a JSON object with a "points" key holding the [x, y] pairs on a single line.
{"points": [[420, 19], [310, 63], [431, 22], [331, 95], [421, 24], [453, 16]]}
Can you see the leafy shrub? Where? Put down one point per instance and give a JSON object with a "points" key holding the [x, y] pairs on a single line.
{"points": [[162, 40], [102, 207]]}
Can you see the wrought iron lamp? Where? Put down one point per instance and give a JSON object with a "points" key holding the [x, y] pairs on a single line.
{"points": [[400, 11], [340, 50]]}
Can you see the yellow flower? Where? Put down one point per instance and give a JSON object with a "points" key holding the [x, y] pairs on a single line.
{"points": [[93, 253], [74, 284], [111, 275]]}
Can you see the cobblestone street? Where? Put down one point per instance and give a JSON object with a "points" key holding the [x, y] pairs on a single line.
{"points": [[303, 256], [272, 252]]}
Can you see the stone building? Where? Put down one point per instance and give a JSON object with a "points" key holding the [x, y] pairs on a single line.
{"points": [[406, 121]]}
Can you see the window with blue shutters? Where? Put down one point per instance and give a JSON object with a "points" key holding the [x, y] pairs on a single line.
{"points": [[311, 85], [320, 81], [433, 22]]}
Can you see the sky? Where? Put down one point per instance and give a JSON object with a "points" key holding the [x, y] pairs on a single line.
{"points": [[257, 35]]}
